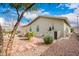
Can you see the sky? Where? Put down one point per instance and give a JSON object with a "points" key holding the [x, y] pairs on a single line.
{"points": [[69, 10]]}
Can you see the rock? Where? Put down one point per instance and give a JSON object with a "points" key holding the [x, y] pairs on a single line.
{"points": [[28, 46]]}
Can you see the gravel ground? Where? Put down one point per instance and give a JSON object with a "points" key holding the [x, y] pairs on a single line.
{"points": [[33, 47], [36, 47], [64, 47]]}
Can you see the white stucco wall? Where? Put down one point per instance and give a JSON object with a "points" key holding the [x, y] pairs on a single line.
{"points": [[66, 29], [45, 23]]}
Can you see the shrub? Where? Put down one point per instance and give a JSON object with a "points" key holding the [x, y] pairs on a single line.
{"points": [[48, 39], [72, 30], [29, 35]]}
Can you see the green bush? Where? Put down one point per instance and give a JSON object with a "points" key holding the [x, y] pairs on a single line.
{"points": [[48, 39], [29, 35], [72, 30]]}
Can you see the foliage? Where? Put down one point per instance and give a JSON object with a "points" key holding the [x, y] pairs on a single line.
{"points": [[48, 39], [30, 28], [29, 35], [72, 30]]}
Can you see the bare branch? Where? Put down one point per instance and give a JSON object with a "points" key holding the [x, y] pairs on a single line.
{"points": [[20, 17], [10, 42]]}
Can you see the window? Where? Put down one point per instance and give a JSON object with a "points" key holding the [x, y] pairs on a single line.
{"points": [[50, 28], [30, 29], [37, 28]]}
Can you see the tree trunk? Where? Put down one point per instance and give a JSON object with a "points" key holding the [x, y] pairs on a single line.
{"points": [[10, 42], [1, 42]]}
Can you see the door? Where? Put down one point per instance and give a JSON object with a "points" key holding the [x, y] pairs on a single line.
{"points": [[55, 34]]}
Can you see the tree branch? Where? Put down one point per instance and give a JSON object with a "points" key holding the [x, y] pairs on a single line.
{"points": [[17, 13], [10, 42], [20, 17]]}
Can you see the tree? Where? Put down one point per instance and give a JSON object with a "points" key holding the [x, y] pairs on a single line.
{"points": [[1, 40], [72, 30], [20, 10]]}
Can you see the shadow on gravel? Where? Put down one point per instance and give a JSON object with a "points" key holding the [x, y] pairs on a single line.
{"points": [[41, 44], [77, 34]]}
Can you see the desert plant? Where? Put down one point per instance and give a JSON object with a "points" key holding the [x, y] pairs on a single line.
{"points": [[48, 39], [29, 35], [72, 30]]}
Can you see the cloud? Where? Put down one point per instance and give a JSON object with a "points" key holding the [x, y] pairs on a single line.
{"points": [[71, 17], [1, 21], [21, 23], [7, 25], [30, 15], [60, 5], [45, 13], [72, 5], [34, 14], [69, 5], [76, 11]]}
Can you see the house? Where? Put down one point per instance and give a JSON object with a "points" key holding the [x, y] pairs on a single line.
{"points": [[48, 25]]}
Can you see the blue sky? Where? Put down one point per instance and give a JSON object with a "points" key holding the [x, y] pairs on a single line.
{"points": [[53, 9]]}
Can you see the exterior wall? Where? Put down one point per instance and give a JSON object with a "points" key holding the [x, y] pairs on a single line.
{"points": [[66, 29], [45, 23], [76, 30], [24, 30]]}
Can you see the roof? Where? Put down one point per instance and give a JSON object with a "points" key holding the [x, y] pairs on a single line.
{"points": [[53, 17]]}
